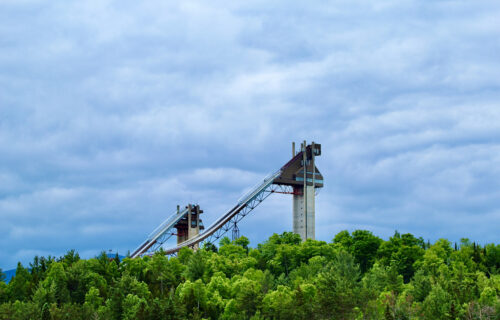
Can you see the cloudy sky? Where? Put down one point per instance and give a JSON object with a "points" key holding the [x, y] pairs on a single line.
{"points": [[114, 112]]}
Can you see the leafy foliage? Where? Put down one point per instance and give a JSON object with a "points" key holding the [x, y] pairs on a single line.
{"points": [[356, 276]]}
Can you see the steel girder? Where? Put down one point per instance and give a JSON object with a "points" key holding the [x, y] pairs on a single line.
{"points": [[231, 224], [258, 199]]}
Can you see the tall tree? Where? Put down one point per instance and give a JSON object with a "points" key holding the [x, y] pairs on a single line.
{"points": [[339, 287], [20, 285], [365, 246]]}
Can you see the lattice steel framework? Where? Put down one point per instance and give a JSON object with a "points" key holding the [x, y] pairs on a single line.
{"points": [[160, 242], [258, 199], [287, 180], [232, 224]]}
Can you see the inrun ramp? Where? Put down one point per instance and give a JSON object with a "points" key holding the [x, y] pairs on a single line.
{"points": [[299, 177]]}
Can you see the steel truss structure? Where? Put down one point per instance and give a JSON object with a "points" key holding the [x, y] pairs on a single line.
{"points": [[160, 242], [232, 224], [296, 177]]}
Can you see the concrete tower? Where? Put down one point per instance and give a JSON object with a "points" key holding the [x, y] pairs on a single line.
{"points": [[302, 174], [189, 226]]}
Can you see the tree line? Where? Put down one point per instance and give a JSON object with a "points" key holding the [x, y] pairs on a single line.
{"points": [[355, 276]]}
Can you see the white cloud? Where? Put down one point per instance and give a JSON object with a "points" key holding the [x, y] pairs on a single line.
{"points": [[111, 113]]}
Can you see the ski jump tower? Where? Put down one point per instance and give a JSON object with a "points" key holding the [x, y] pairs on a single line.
{"points": [[190, 225], [299, 177], [303, 176]]}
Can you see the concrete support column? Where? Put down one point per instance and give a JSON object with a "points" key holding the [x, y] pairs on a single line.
{"points": [[304, 212], [190, 225], [310, 213], [299, 219], [193, 231]]}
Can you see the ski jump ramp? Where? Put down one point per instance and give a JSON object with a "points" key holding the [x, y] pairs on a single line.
{"points": [[299, 177]]}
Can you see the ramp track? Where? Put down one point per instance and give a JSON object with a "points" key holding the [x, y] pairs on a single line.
{"points": [[226, 222]]}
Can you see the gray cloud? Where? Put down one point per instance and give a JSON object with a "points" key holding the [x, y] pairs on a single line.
{"points": [[111, 113]]}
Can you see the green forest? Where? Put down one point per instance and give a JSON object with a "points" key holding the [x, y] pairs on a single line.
{"points": [[355, 276]]}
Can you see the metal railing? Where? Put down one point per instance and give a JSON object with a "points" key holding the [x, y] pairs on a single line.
{"points": [[242, 202], [226, 218], [170, 220], [271, 176]]}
